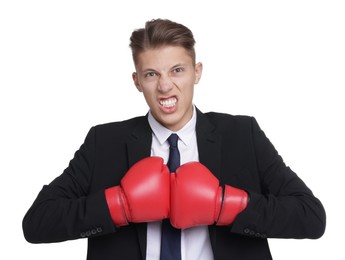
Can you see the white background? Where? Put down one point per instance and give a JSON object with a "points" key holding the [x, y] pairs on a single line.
{"points": [[66, 66]]}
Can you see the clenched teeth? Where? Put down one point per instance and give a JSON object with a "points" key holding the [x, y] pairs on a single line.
{"points": [[168, 102]]}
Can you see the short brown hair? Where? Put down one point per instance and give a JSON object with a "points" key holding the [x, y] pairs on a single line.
{"points": [[161, 32]]}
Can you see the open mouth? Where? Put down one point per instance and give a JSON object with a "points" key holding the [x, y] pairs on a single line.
{"points": [[169, 102]]}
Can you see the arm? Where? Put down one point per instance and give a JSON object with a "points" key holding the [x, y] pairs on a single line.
{"points": [[64, 209], [285, 207]]}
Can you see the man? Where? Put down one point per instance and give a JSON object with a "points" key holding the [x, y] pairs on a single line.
{"points": [[228, 193]]}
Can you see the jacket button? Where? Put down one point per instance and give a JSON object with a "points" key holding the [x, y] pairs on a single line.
{"points": [[93, 231], [82, 234], [99, 230], [246, 230]]}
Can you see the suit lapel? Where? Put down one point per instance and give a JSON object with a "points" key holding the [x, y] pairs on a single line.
{"points": [[209, 144], [138, 148]]}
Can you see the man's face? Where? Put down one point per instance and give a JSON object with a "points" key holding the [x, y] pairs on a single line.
{"points": [[167, 76]]}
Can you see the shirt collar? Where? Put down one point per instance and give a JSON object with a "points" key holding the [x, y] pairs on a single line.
{"points": [[162, 133]]}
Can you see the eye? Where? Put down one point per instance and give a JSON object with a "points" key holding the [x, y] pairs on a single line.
{"points": [[178, 69], [150, 74]]}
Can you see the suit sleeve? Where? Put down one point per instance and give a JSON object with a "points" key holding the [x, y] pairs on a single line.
{"points": [[64, 209], [285, 207]]}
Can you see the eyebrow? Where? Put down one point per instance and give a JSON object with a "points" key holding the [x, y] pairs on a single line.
{"points": [[179, 65], [173, 67]]}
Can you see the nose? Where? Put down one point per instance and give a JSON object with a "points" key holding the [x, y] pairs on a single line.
{"points": [[165, 83]]}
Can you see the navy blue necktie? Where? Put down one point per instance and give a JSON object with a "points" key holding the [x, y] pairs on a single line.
{"points": [[171, 237]]}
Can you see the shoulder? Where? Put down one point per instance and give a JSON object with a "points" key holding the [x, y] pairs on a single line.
{"points": [[120, 129], [125, 124], [226, 124], [228, 120]]}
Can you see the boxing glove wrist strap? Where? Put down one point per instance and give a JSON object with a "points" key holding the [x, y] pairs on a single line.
{"points": [[117, 211], [234, 202]]}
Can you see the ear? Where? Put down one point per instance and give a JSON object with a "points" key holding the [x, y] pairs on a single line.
{"points": [[198, 72], [136, 81]]}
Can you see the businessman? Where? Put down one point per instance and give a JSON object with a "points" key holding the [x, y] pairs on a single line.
{"points": [[175, 183]]}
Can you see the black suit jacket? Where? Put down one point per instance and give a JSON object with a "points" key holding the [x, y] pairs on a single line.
{"points": [[236, 151]]}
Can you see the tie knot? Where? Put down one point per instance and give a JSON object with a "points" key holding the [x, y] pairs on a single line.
{"points": [[173, 138]]}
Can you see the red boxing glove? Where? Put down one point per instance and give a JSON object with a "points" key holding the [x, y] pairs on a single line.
{"points": [[234, 202], [143, 195], [197, 199]]}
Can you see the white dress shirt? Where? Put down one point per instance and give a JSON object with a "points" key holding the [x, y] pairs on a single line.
{"points": [[195, 242]]}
